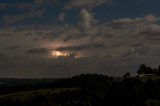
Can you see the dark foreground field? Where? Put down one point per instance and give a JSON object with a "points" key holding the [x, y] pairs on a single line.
{"points": [[81, 90]]}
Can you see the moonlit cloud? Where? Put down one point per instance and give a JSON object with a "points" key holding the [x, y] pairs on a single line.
{"points": [[89, 37], [85, 20]]}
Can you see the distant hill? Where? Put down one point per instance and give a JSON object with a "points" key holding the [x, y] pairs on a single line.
{"points": [[18, 82]]}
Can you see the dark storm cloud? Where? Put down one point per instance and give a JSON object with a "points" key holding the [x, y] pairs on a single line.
{"points": [[37, 51], [81, 47]]}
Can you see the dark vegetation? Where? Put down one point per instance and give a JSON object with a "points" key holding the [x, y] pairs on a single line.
{"points": [[86, 90], [143, 69]]}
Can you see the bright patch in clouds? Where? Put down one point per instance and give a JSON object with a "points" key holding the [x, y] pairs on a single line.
{"points": [[57, 54], [66, 54]]}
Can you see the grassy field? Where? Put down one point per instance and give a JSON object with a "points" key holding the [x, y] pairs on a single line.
{"points": [[25, 95]]}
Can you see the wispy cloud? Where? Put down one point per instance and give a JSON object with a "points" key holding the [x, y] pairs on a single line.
{"points": [[85, 3]]}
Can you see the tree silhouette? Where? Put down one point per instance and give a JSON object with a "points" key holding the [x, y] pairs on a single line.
{"points": [[143, 69], [127, 75]]}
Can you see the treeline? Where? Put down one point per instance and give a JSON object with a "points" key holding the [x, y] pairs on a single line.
{"points": [[96, 90], [143, 69]]}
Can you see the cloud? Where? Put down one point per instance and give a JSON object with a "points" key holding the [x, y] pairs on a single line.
{"points": [[22, 5], [3, 6], [62, 16], [14, 18], [4, 34], [38, 51], [137, 51], [85, 3], [2, 55], [147, 19], [19, 5], [42, 2], [13, 47], [11, 19], [81, 47], [152, 36], [36, 13], [121, 44], [27, 5], [34, 8], [85, 20]]}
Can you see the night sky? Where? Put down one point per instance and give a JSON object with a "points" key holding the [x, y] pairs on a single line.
{"points": [[61, 38]]}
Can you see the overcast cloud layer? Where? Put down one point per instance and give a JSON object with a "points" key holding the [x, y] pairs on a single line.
{"points": [[98, 34]]}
